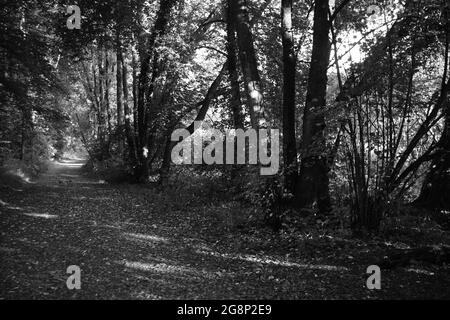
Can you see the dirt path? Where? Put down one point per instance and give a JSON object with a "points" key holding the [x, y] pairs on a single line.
{"points": [[133, 242]]}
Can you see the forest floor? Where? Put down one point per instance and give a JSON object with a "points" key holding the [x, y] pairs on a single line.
{"points": [[134, 242]]}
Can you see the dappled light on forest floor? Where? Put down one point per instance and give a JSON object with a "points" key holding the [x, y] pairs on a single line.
{"points": [[70, 163], [421, 271], [104, 225], [166, 268], [41, 215], [134, 243], [145, 238], [9, 206], [272, 261]]}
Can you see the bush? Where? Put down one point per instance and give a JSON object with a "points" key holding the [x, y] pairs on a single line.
{"points": [[112, 170]]}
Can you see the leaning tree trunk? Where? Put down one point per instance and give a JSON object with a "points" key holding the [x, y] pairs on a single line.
{"points": [[313, 183]]}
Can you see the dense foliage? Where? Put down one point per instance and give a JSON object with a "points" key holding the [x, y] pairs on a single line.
{"points": [[361, 100]]}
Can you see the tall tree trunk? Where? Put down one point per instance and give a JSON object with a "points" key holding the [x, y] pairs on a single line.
{"points": [[238, 121], [119, 87], [145, 88], [249, 63], [233, 76], [313, 183], [107, 84], [168, 145], [289, 61], [101, 114], [135, 92], [129, 131]]}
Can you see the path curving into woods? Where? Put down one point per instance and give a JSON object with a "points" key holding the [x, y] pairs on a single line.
{"points": [[137, 242]]}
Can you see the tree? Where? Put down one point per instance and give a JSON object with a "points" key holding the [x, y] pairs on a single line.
{"points": [[289, 70], [313, 182], [235, 102], [248, 60], [147, 78], [436, 186]]}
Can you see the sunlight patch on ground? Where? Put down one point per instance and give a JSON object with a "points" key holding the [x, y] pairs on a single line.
{"points": [[23, 176], [267, 260], [79, 198], [421, 271], [145, 237], [41, 215], [397, 245], [13, 208], [166, 269], [8, 206], [71, 165], [146, 296]]}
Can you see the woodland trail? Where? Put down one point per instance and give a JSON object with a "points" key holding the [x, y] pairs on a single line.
{"points": [[135, 242]]}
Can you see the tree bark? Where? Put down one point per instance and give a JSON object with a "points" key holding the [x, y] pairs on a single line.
{"points": [[135, 92], [107, 84], [249, 63], [313, 182], [238, 121], [288, 111], [145, 87], [119, 87], [129, 132]]}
